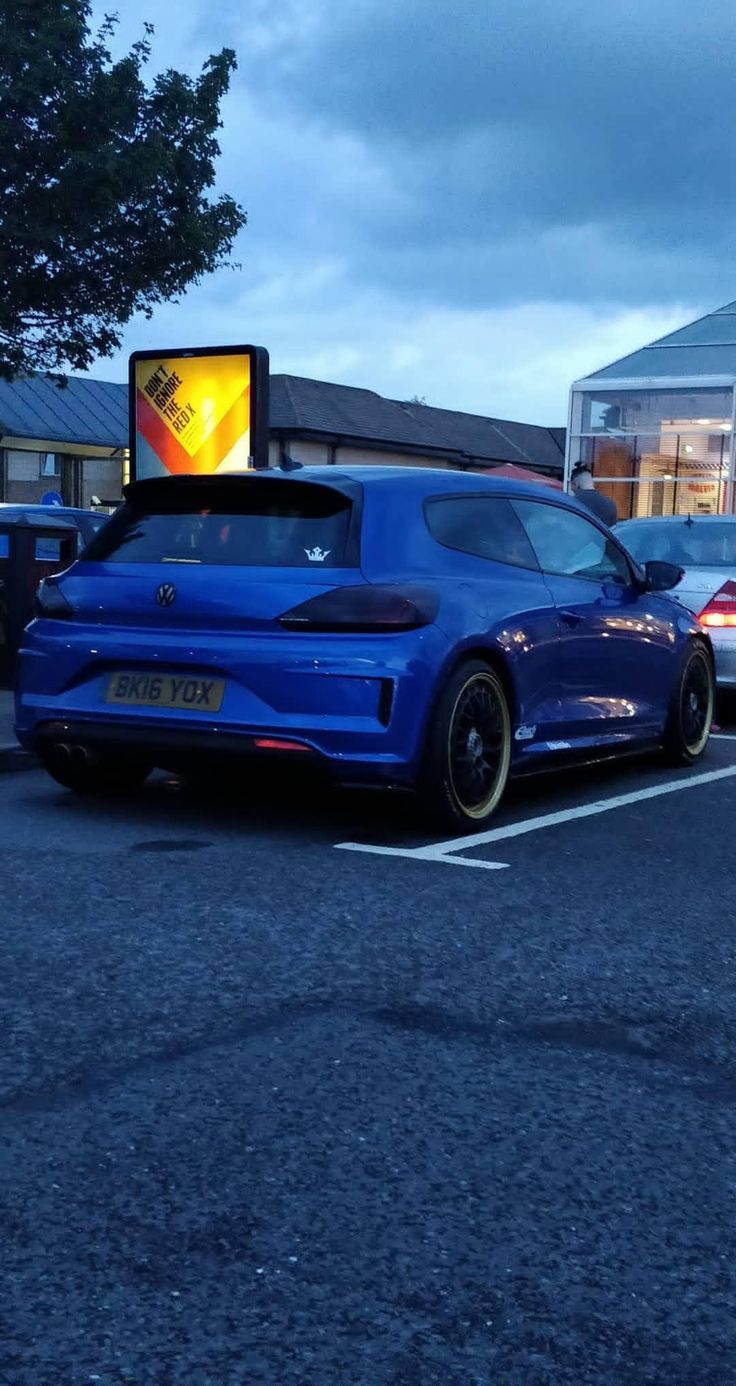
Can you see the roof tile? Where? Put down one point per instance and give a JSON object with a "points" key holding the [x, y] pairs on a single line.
{"points": [[95, 413]]}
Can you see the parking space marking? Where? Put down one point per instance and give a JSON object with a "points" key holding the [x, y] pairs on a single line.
{"points": [[419, 854], [442, 851]]}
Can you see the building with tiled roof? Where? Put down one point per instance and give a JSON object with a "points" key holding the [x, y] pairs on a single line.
{"points": [[316, 421], [74, 438]]}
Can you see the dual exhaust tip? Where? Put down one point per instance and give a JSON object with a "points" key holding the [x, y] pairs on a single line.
{"points": [[67, 754]]}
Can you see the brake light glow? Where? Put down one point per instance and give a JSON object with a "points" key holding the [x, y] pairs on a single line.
{"points": [[718, 618], [364, 609], [273, 743], [721, 609]]}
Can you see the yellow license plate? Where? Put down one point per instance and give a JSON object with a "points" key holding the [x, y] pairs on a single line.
{"points": [[166, 690]]}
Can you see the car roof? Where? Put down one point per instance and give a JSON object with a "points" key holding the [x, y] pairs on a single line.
{"points": [[412, 480], [21, 518], [676, 519], [422, 479], [34, 508]]}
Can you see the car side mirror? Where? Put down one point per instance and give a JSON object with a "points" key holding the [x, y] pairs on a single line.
{"points": [[662, 577]]}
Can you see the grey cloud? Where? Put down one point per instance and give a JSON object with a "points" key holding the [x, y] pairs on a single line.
{"points": [[458, 204], [474, 204], [577, 265], [500, 121], [418, 69]]}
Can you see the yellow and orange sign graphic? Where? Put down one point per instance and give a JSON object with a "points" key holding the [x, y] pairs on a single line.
{"points": [[194, 412]]}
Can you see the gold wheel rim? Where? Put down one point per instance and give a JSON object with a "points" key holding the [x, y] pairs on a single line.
{"points": [[487, 686], [695, 747]]}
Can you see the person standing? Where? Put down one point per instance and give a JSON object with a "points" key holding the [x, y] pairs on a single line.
{"points": [[583, 489]]}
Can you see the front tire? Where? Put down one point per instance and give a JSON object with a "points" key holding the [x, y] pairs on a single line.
{"points": [[691, 707], [468, 751]]}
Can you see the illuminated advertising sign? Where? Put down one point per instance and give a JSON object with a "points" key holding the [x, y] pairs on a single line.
{"points": [[199, 411]]}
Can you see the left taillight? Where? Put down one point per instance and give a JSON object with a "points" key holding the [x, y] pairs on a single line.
{"points": [[50, 603], [721, 609], [364, 609]]}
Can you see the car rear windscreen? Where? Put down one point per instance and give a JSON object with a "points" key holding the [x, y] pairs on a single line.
{"points": [[256, 523], [690, 544]]}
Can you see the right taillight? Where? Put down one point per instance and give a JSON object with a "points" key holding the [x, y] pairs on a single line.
{"points": [[364, 609], [721, 609]]}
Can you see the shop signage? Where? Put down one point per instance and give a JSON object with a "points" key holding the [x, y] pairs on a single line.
{"points": [[198, 411]]}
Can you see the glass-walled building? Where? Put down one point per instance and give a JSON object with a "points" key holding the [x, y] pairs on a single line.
{"points": [[657, 428]]}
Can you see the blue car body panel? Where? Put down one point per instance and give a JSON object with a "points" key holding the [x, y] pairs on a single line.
{"points": [[589, 666], [86, 521]]}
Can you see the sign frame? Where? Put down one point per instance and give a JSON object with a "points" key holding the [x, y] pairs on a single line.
{"points": [[259, 394]]}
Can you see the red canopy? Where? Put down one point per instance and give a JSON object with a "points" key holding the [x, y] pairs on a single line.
{"points": [[511, 473]]}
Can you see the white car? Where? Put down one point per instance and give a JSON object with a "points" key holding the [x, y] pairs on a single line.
{"points": [[705, 547]]}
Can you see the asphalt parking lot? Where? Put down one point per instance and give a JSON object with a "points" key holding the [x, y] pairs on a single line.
{"points": [[288, 1098]]}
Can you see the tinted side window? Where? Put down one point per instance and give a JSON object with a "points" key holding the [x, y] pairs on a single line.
{"points": [[569, 545], [690, 543], [90, 524], [484, 526]]}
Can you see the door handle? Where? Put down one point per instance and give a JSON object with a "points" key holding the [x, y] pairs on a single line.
{"points": [[571, 618]]}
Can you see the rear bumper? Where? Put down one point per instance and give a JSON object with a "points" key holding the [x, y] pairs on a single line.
{"points": [[358, 706], [725, 657], [174, 750]]}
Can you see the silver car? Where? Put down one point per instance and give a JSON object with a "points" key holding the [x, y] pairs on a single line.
{"points": [[705, 546]]}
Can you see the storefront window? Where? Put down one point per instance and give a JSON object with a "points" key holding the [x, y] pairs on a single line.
{"points": [[656, 452], [642, 411]]}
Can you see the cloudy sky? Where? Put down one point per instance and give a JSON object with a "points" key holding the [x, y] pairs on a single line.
{"points": [[473, 203]]}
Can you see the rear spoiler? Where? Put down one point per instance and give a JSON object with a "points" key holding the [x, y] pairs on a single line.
{"points": [[216, 488]]}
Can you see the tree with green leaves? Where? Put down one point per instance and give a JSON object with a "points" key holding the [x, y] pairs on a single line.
{"points": [[105, 185]]}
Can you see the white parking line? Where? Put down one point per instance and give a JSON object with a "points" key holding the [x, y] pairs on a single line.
{"points": [[442, 851], [419, 854]]}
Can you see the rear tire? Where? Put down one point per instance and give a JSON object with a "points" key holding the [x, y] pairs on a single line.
{"points": [[691, 707], [468, 749], [94, 775]]}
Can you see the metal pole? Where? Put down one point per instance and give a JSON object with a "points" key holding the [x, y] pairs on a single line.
{"points": [[728, 497], [568, 443]]}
